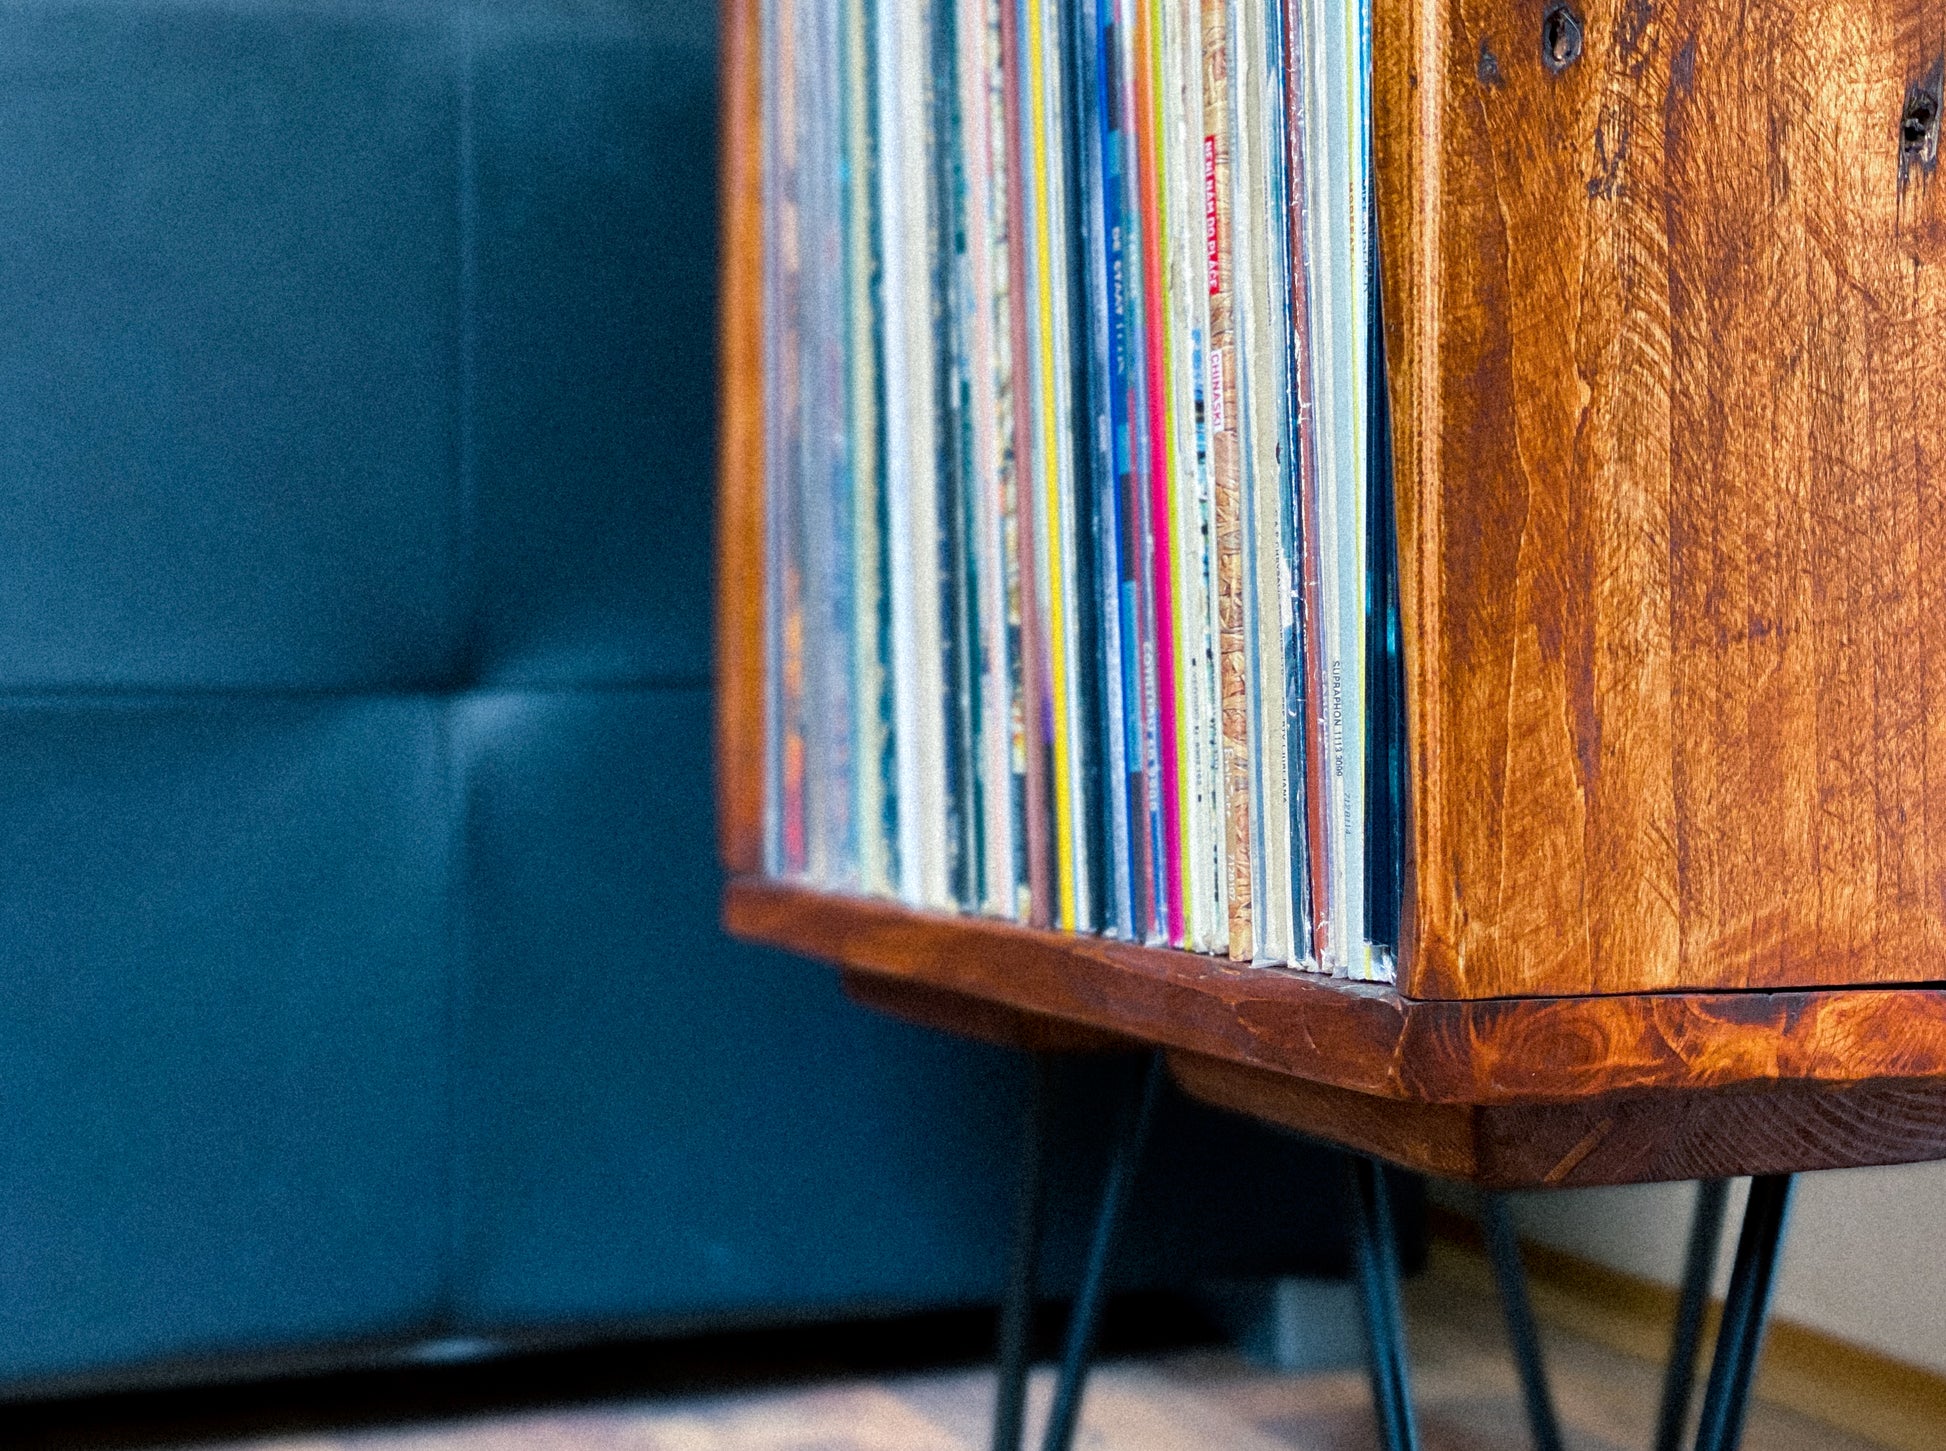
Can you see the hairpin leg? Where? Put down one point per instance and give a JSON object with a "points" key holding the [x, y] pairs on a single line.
{"points": [[1017, 1309], [1727, 1397], [1066, 1413], [1503, 1248], [1375, 1257], [1699, 1270]]}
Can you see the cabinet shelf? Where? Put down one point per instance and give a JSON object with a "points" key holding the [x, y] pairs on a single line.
{"points": [[1500, 1091], [1672, 542]]}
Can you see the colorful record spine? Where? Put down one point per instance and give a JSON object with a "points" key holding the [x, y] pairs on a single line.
{"points": [[1157, 507], [830, 725], [957, 563], [786, 845], [875, 802], [978, 307], [1106, 238], [1081, 592], [1039, 871], [1254, 175], [1205, 917], [1043, 156], [908, 232], [1014, 595], [1226, 487], [1300, 28]]}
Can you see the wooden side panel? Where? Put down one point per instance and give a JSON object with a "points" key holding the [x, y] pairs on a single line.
{"points": [[1667, 352], [740, 450]]}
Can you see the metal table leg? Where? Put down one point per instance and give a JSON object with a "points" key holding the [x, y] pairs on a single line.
{"points": [[1017, 1309], [1375, 1257], [1503, 1248], [1738, 1343], [1699, 1271], [1066, 1413]]}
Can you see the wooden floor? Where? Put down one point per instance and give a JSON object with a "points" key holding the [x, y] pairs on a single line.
{"points": [[1464, 1388]]}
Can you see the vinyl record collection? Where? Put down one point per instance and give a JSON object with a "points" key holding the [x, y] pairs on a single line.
{"points": [[1081, 572]]}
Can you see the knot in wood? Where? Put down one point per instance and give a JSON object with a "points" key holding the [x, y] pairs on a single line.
{"points": [[1560, 37], [1919, 127]]}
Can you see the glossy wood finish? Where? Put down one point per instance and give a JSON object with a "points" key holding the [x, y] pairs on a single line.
{"points": [[1365, 1037], [1511, 1091], [1664, 318], [1622, 1138], [740, 447]]}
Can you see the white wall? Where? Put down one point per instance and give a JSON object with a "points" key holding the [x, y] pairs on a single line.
{"points": [[1865, 1259]]}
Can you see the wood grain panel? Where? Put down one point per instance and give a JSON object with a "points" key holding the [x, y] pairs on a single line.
{"points": [[1367, 1038], [1786, 1127], [1517, 1091], [1664, 318], [740, 446]]}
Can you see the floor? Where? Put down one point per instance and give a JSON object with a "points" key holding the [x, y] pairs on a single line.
{"points": [[1167, 1401]]}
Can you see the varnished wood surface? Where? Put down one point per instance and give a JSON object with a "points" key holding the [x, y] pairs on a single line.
{"points": [[1620, 1138], [1367, 1038], [740, 446], [1507, 1093], [1664, 324]]}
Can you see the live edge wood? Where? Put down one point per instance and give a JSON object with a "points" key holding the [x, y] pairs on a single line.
{"points": [[1504, 1092]]}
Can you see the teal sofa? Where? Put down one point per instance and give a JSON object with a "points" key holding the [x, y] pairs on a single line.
{"points": [[360, 981]]}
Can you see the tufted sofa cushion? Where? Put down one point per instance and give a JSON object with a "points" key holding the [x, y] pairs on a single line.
{"points": [[359, 975]]}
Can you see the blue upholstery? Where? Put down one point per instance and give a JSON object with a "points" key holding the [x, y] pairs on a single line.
{"points": [[359, 975], [228, 348], [708, 1126], [223, 1054], [595, 349]]}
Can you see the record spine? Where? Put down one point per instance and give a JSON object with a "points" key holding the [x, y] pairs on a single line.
{"points": [[1262, 368], [872, 740], [784, 415], [1081, 595], [1301, 25], [1205, 915], [1106, 241], [830, 724], [908, 200], [1049, 348], [1232, 655], [1135, 539], [957, 581], [1158, 641], [1079, 417], [980, 304], [1036, 694]]}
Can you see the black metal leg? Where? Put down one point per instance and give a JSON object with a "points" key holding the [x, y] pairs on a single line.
{"points": [[1699, 1270], [1375, 1257], [1017, 1309], [1066, 1413], [1503, 1248], [1738, 1343]]}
